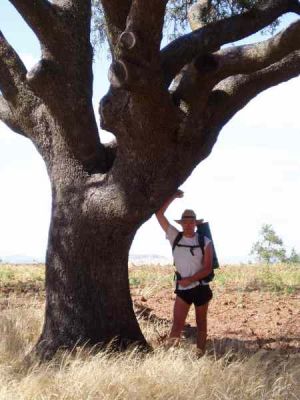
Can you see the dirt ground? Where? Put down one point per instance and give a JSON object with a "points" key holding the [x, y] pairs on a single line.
{"points": [[237, 320]]}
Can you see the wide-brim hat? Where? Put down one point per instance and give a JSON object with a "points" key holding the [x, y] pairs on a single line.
{"points": [[189, 215]]}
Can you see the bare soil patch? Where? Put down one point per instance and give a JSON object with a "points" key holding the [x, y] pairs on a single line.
{"points": [[244, 315], [237, 320]]}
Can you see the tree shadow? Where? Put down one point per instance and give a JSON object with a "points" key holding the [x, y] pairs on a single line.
{"points": [[219, 347], [246, 346], [144, 312]]}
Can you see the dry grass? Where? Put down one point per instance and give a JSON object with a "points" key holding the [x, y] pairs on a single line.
{"points": [[149, 279], [172, 374], [279, 278], [12, 274], [175, 374]]}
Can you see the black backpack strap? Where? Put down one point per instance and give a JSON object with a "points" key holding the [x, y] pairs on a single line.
{"points": [[191, 248], [179, 237], [201, 241], [210, 277], [177, 240], [177, 277], [175, 243]]}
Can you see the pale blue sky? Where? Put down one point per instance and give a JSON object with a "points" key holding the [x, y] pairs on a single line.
{"points": [[252, 176]]}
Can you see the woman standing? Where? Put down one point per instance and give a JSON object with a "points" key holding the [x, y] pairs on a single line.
{"points": [[192, 264]]}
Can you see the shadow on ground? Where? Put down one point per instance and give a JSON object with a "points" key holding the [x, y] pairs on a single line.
{"points": [[224, 345]]}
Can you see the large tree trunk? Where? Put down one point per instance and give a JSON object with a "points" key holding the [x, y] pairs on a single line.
{"points": [[87, 288]]}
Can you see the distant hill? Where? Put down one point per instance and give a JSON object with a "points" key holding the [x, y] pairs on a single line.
{"points": [[22, 259], [137, 259], [140, 259]]}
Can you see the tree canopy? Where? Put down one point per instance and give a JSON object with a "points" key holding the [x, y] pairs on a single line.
{"points": [[270, 248]]}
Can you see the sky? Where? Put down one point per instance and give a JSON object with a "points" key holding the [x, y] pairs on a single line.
{"points": [[252, 176]]}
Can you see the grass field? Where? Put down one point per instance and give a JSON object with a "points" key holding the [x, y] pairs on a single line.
{"points": [[253, 352]]}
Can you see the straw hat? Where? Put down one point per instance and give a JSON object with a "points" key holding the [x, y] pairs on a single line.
{"points": [[188, 215]]}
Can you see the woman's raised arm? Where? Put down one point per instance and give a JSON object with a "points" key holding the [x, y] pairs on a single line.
{"points": [[160, 214]]}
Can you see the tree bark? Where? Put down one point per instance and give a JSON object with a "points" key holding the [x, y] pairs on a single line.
{"points": [[87, 287]]}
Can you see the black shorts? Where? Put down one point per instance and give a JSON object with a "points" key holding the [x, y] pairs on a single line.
{"points": [[198, 295]]}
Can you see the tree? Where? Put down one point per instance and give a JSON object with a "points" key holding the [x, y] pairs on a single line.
{"points": [[294, 257], [269, 248], [165, 106]]}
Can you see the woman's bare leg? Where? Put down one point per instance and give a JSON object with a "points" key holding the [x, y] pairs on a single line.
{"points": [[181, 309], [201, 320]]}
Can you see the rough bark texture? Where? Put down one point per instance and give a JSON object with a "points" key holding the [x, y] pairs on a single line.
{"points": [[88, 298], [102, 194]]}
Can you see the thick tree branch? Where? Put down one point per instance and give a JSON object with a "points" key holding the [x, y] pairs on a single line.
{"points": [[211, 37], [12, 70], [116, 12], [68, 20], [199, 78], [138, 55], [74, 11], [201, 131], [63, 78], [40, 15], [209, 111], [18, 104], [250, 58], [147, 22], [232, 94], [7, 116]]}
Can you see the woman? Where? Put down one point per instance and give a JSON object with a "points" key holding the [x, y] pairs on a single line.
{"points": [[192, 265]]}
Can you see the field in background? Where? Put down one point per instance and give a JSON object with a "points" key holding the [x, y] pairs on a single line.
{"points": [[253, 349]]}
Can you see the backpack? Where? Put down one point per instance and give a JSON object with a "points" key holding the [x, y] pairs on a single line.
{"points": [[202, 231]]}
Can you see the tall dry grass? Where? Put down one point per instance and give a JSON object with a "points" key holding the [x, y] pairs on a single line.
{"points": [[172, 374], [162, 374]]}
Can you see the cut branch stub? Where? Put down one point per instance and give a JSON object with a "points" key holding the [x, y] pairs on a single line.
{"points": [[127, 74], [112, 104], [40, 74], [35, 71], [127, 40], [197, 14], [118, 74], [115, 12]]}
